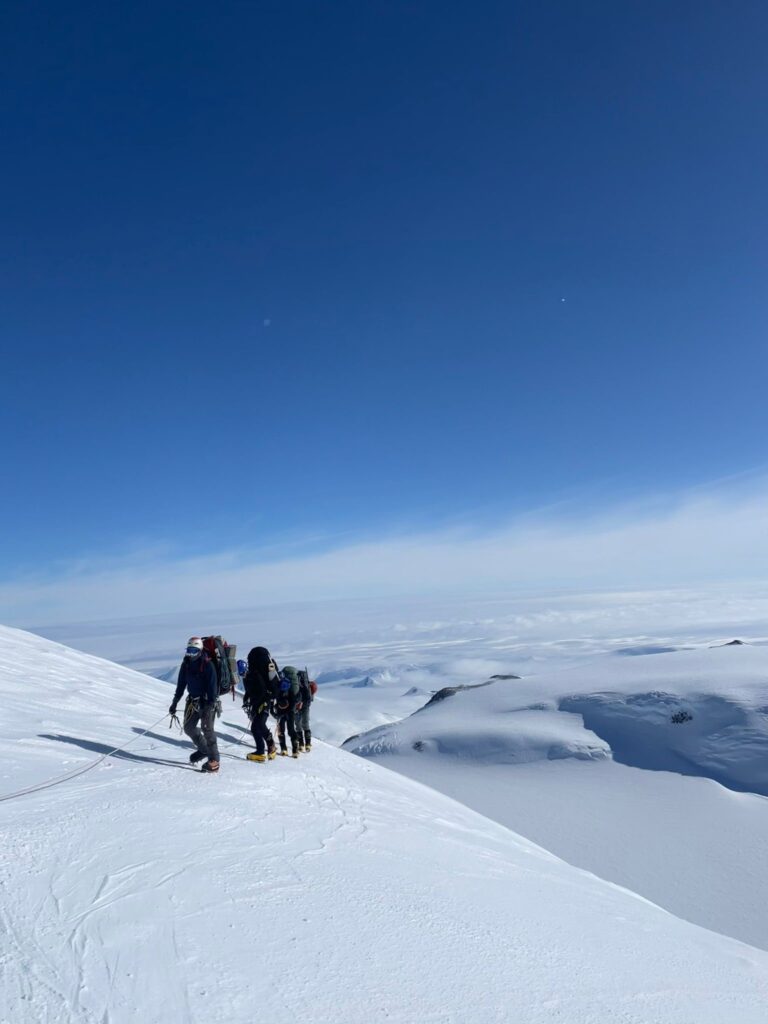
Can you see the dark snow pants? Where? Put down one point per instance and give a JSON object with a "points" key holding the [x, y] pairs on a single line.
{"points": [[285, 721], [260, 732], [204, 713], [303, 732]]}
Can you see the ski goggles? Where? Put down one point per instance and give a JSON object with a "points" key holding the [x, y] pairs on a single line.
{"points": [[193, 651]]}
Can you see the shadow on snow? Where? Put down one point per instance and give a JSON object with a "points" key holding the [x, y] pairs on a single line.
{"points": [[105, 748]]}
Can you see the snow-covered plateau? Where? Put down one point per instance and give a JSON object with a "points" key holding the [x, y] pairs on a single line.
{"points": [[581, 845]]}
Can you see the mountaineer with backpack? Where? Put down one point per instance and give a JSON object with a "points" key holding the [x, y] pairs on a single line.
{"points": [[287, 696], [307, 691], [198, 677], [259, 681]]}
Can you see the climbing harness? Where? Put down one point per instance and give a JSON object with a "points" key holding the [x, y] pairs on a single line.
{"points": [[192, 708]]}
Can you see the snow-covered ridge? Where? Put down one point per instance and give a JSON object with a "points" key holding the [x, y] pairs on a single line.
{"points": [[142, 891], [617, 765], [702, 712], [709, 735]]}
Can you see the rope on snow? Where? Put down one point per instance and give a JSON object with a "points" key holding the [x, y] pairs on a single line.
{"points": [[57, 780]]}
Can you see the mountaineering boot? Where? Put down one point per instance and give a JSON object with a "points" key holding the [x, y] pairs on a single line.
{"points": [[283, 753], [302, 749], [197, 756], [261, 758], [210, 766], [307, 748], [271, 753], [295, 752]]}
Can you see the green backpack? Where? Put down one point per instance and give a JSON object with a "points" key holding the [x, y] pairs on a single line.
{"points": [[287, 687]]}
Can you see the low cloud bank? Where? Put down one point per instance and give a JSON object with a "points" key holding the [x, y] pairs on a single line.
{"points": [[693, 540]]}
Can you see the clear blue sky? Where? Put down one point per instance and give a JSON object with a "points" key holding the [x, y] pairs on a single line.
{"points": [[298, 268]]}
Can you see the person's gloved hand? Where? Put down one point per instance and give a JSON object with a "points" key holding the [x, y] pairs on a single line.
{"points": [[299, 706], [172, 709]]}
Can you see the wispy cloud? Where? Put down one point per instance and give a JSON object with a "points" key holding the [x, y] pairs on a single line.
{"points": [[711, 535]]}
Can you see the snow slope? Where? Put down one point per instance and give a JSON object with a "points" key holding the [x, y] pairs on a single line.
{"points": [[618, 765], [325, 889]]}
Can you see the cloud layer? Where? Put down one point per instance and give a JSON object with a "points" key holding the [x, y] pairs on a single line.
{"points": [[700, 537]]}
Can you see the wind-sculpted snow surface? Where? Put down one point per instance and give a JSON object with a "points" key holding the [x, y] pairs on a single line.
{"points": [[324, 889]]}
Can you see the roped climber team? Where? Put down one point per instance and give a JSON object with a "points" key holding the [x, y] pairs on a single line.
{"points": [[285, 694]]}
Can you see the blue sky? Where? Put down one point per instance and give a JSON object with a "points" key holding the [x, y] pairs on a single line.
{"points": [[306, 273]]}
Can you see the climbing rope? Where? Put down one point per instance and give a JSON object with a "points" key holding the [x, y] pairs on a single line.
{"points": [[57, 780]]}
